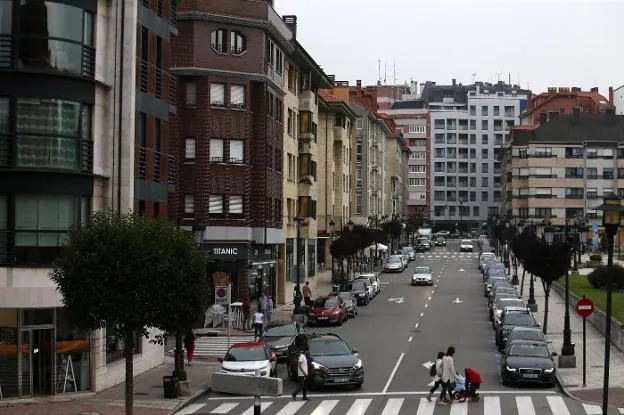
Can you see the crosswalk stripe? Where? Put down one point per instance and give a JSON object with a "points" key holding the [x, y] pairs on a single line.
{"points": [[593, 409], [359, 407], [224, 408], [291, 408], [525, 405], [459, 408], [491, 405], [325, 407], [426, 407], [263, 406], [557, 405], [393, 406], [190, 409]]}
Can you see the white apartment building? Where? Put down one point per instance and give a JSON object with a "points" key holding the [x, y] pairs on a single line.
{"points": [[618, 100]]}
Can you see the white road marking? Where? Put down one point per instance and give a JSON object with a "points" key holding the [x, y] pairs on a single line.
{"points": [[460, 408], [325, 407], [224, 408], [393, 406], [422, 314], [410, 339], [263, 406], [426, 305], [426, 407], [593, 409], [396, 367], [291, 407], [416, 325], [191, 409], [359, 407], [356, 394], [557, 405], [429, 297], [491, 405]]}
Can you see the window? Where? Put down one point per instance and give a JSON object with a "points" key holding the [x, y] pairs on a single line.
{"points": [[236, 205], [574, 192], [484, 182], [417, 169], [238, 43], [496, 110], [607, 173], [574, 172], [484, 168], [191, 94], [217, 40], [358, 123], [484, 139], [216, 150], [484, 124], [420, 143], [236, 151], [484, 153], [270, 52], [189, 204], [473, 110], [237, 96], [215, 206], [416, 182], [484, 111], [279, 60], [358, 203], [416, 129], [157, 135], [358, 178], [51, 133], [217, 95], [543, 171], [484, 196], [189, 149], [524, 172], [439, 124], [289, 127], [291, 166]]}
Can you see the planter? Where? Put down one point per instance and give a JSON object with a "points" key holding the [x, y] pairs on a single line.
{"points": [[592, 264]]}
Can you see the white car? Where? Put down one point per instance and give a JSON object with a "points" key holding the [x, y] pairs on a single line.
{"points": [[374, 281], [422, 276], [466, 245], [395, 264], [485, 257], [249, 359]]}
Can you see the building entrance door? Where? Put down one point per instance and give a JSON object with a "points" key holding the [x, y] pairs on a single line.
{"points": [[37, 361]]}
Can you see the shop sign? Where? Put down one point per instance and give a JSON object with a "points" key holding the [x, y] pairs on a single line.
{"points": [[226, 252]]}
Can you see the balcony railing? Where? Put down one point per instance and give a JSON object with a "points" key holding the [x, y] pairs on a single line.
{"points": [[158, 85], [157, 167], [6, 242], [142, 164], [172, 88], [171, 171], [7, 51], [174, 14], [86, 155], [143, 75]]}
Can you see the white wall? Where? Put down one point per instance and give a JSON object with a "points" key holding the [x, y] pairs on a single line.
{"points": [[618, 100]]}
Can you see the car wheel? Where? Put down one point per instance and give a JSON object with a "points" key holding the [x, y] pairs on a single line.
{"points": [[358, 386], [505, 382]]}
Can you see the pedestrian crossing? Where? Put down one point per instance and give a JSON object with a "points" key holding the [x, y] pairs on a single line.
{"points": [[544, 404], [449, 255], [217, 346]]}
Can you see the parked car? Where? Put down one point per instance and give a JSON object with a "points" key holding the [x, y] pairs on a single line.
{"points": [[440, 240], [329, 309], [350, 302], [394, 264], [360, 291], [331, 361], [279, 336], [250, 359], [422, 276], [408, 254], [500, 304], [513, 317], [486, 257], [517, 334], [466, 245], [528, 361], [373, 280]]}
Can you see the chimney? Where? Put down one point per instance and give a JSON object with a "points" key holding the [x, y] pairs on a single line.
{"points": [[454, 82], [594, 90], [291, 22], [576, 114], [543, 118], [611, 95], [358, 85], [332, 78]]}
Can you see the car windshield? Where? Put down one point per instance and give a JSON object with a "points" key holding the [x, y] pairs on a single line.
{"points": [[528, 335], [422, 270], [501, 305], [530, 350], [245, 354], [329, 302], [422, 241], [466, 242], [487, 257], [440, 238], [519, 319], [494, 280], [394, 260], [503, 288], [281, 331], [328, 347], [405, 251], [356, 285], [346, 296]]}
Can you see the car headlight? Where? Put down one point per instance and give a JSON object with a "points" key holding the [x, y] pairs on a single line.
{"points": [[552, 369], [358, 364], [361, 295], [510, 369], [319, 367]]}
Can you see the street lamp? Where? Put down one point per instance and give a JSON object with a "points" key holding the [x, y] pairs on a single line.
{"points": [[331, 239], [611, 219], [298, 297]]}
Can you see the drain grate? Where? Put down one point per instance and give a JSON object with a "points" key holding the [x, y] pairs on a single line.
{"points": [[141, 393]]}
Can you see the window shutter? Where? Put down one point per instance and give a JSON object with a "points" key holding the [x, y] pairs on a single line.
{"points": [[543, 191], [524, 191], [236, 204], [237, 95], [189, 151], [215, 204], [216, 150], [236, 151], [543, 171], [189, 204], [217, 94], [524, 172], [607, 152]]}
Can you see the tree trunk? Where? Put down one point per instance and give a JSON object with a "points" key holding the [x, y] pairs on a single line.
{"points": [[545, 325], [178, 366], [522, 284], [129, 387]]}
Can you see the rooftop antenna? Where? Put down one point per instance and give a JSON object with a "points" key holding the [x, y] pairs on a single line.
{"points": [[394, 82], [379, 70], [385, 72], [498, 74]]}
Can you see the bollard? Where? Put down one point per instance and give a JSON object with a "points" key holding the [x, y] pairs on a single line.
{"points": [[257, 408]]}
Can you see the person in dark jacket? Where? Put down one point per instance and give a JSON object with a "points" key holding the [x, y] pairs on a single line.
{"points": [[189, 345]]}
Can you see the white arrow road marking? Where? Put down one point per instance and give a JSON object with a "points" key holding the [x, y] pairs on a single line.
{"points": [[461, 270], [426, 305], [393, 299], [430, 297], [400, 301], [457, 301], [384, 282], [428, 364]]}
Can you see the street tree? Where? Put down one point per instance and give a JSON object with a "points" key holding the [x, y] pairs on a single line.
{"points": [[414, 222], [344, 248], [522, 245], [393, 230], [133, 273]]}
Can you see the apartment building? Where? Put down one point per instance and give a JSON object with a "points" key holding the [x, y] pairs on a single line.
{"points": [[558, 101], [562, 168], [396, 156], [469, 124], [616, 97], [72, 114], [335, 146]]}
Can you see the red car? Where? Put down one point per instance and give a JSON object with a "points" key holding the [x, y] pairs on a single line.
{"points": [[329, 309]]}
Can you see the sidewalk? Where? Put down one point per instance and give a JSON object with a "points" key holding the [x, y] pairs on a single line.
{"points": [[572, 379], [148, 396], [321, 285]]}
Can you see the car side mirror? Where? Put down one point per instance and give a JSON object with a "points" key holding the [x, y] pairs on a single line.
{"points": [[220, 359], [553, 354], [538, 325], [355, 351]]}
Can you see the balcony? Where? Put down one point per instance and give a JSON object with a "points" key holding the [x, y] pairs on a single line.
{"points": [[339, 134], [307, 101], [307, 144], [304, 185]]}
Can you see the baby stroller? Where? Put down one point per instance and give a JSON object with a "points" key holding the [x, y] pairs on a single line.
{"points": [[467, 387]]}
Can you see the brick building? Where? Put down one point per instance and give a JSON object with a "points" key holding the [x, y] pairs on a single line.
{"points": [[561, 101]]}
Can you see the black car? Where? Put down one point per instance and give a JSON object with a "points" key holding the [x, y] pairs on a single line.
{"points": [[534, 334], [510, 319], [440, 241], [279, 336], [330, 360], [359, 290], [528, 361]]}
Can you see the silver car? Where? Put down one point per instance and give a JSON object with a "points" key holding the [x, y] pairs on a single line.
{"points": [[395, 264], [422, 276]]}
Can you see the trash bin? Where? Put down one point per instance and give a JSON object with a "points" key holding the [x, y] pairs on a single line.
{"points": [[170, 387], [336, 288]]}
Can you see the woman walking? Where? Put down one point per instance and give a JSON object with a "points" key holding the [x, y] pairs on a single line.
{"points": [[437, 380], [189, 345], [449, 374]]}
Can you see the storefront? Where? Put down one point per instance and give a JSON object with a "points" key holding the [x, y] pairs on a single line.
{"points": [[251, 269], [42, 353]]}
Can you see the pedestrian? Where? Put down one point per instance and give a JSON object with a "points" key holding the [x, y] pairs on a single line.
{"points": [[307, 293], [437, 380], [262, 302], [269, 310], [246, 307], [258, 322], [302, 374], [449, 374], [189, 345]]}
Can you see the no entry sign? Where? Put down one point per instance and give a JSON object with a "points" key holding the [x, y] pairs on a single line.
{"points": [[584, 307]]}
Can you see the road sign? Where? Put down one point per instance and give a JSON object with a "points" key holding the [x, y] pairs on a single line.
{"points": [[457, 301], [221, 294], [584, 307]]}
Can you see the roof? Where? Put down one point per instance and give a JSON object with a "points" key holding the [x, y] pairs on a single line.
{"points": [[248, 344], [328, 96], [404, 105], [334, 103], [563, 129], [600, 100]]}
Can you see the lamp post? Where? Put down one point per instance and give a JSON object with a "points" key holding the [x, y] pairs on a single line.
{"points": [[297, 294], [611, 219], [331, 239], [350, 226], [531, 302]]}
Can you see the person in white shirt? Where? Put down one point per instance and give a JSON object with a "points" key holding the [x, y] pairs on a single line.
{"points": [[437, 380], [449, 374], [258, 320], [302, 374]]}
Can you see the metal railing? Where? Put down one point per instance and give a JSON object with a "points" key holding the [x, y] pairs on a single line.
{"points": [[143, 75], [172, 90], [171, 171], [6, 243], [142, 164], [157, 167], [158, 84], [6, 51], [86, 155]]}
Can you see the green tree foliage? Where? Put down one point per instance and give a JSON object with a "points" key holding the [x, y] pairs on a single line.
{"points": [[132, 272], [413, 223], [598, 277]]}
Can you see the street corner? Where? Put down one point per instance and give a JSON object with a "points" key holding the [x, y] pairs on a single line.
{"points": [[594, 395]]}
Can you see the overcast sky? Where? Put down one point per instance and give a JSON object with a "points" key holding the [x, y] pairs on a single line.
{"points": [[541, 43]]}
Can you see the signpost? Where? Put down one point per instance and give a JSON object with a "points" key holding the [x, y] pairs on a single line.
{"points": [[584, 308]]}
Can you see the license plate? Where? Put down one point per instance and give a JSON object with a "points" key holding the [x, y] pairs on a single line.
{"points": [[322, 318], [341, 380], [530, 375]]}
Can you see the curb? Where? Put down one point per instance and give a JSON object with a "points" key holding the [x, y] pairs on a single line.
{"points": [[194, 398], [571, 395]]}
